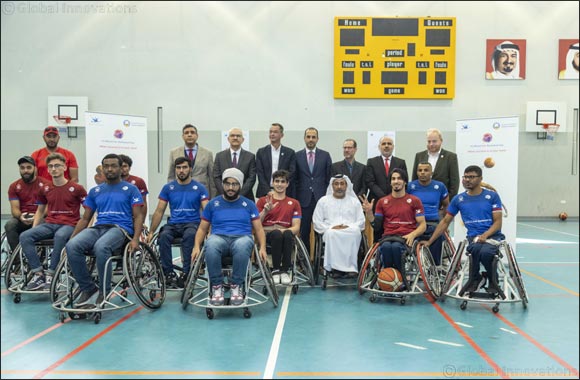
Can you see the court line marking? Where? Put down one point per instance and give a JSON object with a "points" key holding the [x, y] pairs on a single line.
{"points": [[444, 342], [498, 370], [509, 331], [411, 346], [275, 347], [546, 351], [33, 338], [464, 325], [548, 229], [549, 282]]}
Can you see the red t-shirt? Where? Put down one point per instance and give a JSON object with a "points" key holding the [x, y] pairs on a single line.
{"points": [[282, 215], [63, 202], [40, 159], [26, 193], [399, 214]]}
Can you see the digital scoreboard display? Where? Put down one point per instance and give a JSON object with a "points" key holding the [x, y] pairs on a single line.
{"points": [[394, 58]]}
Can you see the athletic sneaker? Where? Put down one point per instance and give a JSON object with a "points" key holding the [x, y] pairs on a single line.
{"points": [[37, 282], [236, 297], [285, 278], [171, 281], [86, 297], [276, 277], [48, 281], [217, 295]]}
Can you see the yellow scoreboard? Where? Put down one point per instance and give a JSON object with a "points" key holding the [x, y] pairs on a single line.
{"points": [[394, 58]]}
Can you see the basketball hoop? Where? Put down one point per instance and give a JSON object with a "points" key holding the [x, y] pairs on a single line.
{"points": [[62, 120], [551, 130]]}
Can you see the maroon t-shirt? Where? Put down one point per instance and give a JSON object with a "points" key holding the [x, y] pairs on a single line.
{"points": [[63, 202], [26, 193]]}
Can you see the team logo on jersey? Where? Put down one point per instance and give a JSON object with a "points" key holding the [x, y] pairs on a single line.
{"points": [[252, 215], [171, 187], [194, 187], [135, 199], [460, 198], [125, 188], [488, 197], [46, 188], [18, 187], [436, 187], [216, 203], [71, 189], [290, 203], [413, 186], [97, 189], [409, 200], [244, 204]]}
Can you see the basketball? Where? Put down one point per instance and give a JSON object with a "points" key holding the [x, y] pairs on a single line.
{"points": [[563, 216], [390, 280], [489, 162]]}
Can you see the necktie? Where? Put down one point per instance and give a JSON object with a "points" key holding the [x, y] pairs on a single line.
{"points": [[235, 160], [311, 160], [190, 154], [387, 166]]}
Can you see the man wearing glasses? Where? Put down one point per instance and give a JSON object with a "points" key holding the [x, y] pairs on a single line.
{"points": [[351, 168], [232, 218], [481, 212], [60, 202]]}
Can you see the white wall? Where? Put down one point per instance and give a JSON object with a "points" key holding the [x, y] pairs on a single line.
{"points": [[248, 64]]}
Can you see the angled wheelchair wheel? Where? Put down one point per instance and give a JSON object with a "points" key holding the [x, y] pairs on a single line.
{"points": [[447, 250], [367, 276], [145, 275], [267, 277], [453, 269], [190, 284], [6, 253], [516, 275], [17, 271], [64, 288], [428, 271], [303, 261], [318, 249]]}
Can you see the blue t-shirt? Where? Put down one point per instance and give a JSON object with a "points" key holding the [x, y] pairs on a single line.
{"points": [[184, 201], [431, 196], [114, 204], [230, 218], [476, 210]]}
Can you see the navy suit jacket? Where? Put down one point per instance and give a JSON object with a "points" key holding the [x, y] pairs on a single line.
{"points": [[264, 168], [446, 170], [246, 163], [315, 182], [357, 177], [376, 177]]}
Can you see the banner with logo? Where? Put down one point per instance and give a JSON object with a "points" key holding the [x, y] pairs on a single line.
{"points": [[491, 144], [120, 134]]}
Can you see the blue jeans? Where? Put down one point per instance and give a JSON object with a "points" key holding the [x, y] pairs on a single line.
{"points": [[240, 247], [59, 232], [100, 241], [482, 253], [185, 231]]}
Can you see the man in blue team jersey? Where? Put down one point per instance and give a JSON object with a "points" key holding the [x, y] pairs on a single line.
{"points": [[186, 197], [434, 196], [481, 212], [232, 218], [118, 204]]}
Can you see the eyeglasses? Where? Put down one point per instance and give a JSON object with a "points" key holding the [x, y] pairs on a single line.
{"points": [[231, 184], [470, 177], [55, 166]]}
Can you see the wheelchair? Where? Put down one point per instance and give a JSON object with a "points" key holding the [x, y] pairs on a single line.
{"points": [[6, 253], [258, 285], [139, 270], [318, 266], [509, 279], [418, 264], [301, 269], [18, 273], [176, 243]]}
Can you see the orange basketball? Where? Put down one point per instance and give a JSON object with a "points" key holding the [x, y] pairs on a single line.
{"points": [[563, 216], [489, 162], [390, 280]]}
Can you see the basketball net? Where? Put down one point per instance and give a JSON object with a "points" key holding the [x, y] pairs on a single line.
{"points": [[62, 120], [551, 130]]}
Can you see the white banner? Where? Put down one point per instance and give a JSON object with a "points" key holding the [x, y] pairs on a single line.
{"points": [[492, 144], [119, 134]]}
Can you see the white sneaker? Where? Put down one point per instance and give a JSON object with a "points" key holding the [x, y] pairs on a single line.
{"points": [[217, 295], [276, 278], [285, 278], [236, 295]]}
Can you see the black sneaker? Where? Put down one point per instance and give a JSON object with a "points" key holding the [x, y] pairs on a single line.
{"points": [[86, 298], [100, 299], [171, 281], [181, 280]]}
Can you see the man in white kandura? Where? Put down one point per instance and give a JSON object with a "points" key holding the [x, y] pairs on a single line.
{"points": [[339, 218]]}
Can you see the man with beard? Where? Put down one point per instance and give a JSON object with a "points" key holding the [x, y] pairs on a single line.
{"points": [[186, 197], [232, 218], [398, 214], [505, 61], [339, 218], [22, 195], [118, 204], [481, 212], [51, 138]]}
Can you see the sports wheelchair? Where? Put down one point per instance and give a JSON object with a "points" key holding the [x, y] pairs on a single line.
{"points": [[139, 269], [301, 269], [258, 285], [510, 281], [318, 266], [6, 253], [418, 266], [18, 273], [176, 243]]}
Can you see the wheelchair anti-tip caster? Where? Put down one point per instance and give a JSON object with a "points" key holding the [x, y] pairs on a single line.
{"points": [[463, 305], [209, 313], [17, 298], [294, 289], [373, 298], [247, 313], [495, 309], [97, 318]]}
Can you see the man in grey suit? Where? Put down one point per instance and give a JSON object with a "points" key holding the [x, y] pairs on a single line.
{"points": [[444, 162], [274, 157], [201, 159], [312, 179], [350, 167], [376, 170], [236, 157]]}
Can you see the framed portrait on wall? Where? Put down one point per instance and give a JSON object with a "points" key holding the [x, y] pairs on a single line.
{"points": [[505, 59], [568, 59]]}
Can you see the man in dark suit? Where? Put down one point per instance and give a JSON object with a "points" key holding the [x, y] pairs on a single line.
{"points": [[376, 171], [444, 162], [274, 157], [311, 183], [351, 168], [236, 157]]}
